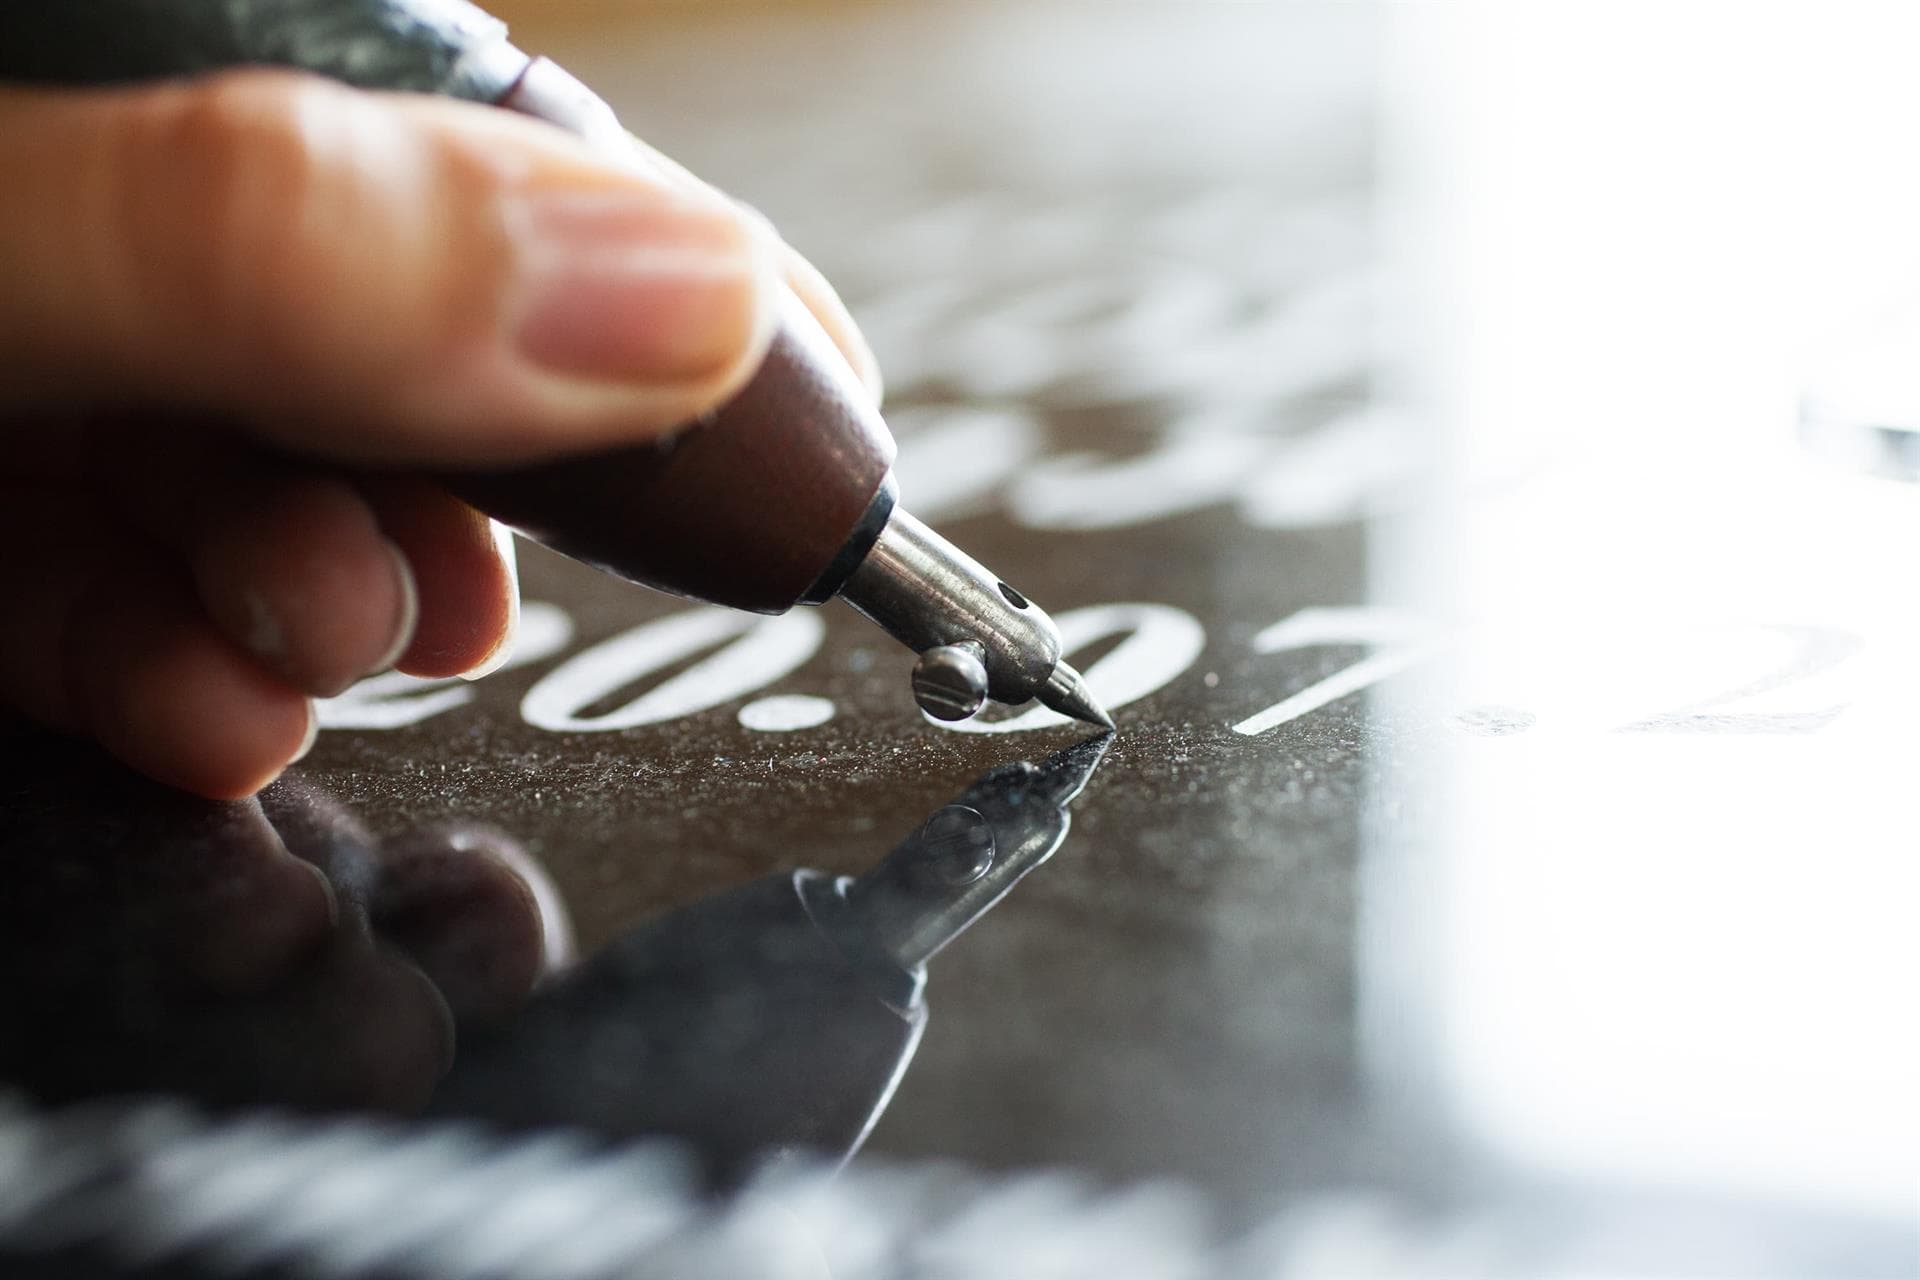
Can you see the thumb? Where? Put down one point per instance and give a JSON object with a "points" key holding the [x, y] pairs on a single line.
{"points": [[372, 278]]}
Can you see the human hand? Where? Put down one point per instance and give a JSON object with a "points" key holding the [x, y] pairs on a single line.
{"points": [[245, 314]]}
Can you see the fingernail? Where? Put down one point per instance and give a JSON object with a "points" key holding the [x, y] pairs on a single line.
{"points": [[827, 307], [264, 636], [313, 733], [407, 612], [649, 288], [510, 634], [866, 367]]}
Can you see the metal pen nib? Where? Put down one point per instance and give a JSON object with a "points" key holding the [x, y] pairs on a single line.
{"points": [[977, 637], [1066, 692]]}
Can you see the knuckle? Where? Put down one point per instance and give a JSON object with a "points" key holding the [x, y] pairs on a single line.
{"points": [[309, 252], [222, 199]]}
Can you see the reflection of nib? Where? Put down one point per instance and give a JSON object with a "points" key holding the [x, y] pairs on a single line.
{"points": [[966, 857], [1065, 774]]}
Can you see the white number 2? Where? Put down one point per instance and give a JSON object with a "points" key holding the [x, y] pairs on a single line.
{"points": [[394, 701]]}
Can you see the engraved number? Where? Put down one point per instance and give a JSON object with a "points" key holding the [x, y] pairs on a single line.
{"points": [[1815, 649], [1398, 641], [394, 701], [759, 651], [1161, 642]]}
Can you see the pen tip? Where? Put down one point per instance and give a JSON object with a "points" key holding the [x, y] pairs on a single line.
{"points": [[1067, 693]]}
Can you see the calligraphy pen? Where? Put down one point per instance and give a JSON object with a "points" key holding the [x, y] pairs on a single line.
{"points": [[783, 496]]}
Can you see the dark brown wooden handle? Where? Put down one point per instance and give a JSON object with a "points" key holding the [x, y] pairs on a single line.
{"points": [[748, 507]]}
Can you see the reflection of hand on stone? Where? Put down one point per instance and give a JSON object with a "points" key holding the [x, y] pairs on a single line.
{"points": [[260, 951], [463, 902], [476, 913]]}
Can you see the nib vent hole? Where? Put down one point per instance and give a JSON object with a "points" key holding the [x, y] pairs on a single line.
{"points": [[1014, 598]]}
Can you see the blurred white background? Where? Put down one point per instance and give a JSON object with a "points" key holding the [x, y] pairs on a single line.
{"points": [[1627, 239]]}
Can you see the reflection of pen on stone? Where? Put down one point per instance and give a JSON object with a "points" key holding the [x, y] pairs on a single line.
{"points": [[777, 1017], [966, 857]]}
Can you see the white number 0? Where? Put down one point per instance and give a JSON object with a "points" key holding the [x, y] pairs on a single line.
{"points": [[762, 651], [1161, 642]]}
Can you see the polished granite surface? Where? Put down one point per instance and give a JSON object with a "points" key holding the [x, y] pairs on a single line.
{"points": [[1448, 849]]}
